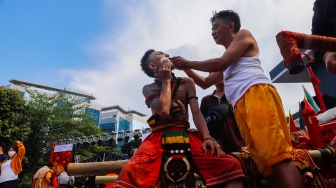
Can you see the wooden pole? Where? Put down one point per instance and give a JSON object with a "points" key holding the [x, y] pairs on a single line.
{"points": [[103, 168], [105, 179], [112, 179], [95, 168]]}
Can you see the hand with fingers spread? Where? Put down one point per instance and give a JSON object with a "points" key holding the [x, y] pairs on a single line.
{"points": [[164, 72], [180, 63], [213, 145]]}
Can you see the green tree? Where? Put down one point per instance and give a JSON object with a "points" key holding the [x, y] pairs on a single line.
{"points": [[130, 147], [13, 122], [54, 117]]}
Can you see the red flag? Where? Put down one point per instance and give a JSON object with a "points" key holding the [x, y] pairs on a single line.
{"points": [[292, 125], [308, 110], [311, 100]]}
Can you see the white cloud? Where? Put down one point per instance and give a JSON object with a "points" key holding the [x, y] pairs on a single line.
{"points": [[181, 28]]}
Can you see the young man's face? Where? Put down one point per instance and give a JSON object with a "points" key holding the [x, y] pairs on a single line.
{"points": [[156, 56], [154, 60], [220, 30]]}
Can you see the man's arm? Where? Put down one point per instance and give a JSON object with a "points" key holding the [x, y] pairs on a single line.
{"points": [[161, 105], [204, 82], [21, 149], [239, 47], [48, 177], [200, 122]]}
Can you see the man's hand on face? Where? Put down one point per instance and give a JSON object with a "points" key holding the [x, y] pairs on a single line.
{"points": [[164, 72], [330, 60], [180, 63]]}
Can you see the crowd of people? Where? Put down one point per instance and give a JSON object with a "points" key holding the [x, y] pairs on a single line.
{"points": [[45, 177], [245, 111]]}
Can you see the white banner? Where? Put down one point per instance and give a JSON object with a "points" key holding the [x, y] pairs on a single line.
{"points": [[66, 147]]}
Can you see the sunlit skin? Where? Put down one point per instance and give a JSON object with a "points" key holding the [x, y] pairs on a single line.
{"points": [[162, 104], [219, 30]]}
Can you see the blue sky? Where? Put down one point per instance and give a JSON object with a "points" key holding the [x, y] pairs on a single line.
{"points": [[94, 46], [39, 37]]}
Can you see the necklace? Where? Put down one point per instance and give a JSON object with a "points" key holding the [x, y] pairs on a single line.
{"points": [[159, 83]]}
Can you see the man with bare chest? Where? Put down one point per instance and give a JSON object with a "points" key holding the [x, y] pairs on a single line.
{"points": [[168, 97]]}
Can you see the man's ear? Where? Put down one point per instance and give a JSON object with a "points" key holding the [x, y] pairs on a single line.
{"points": [[152, 66], [231, 25]]}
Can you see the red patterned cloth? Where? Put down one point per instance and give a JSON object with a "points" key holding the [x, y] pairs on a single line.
{"points": [[144, 167]]}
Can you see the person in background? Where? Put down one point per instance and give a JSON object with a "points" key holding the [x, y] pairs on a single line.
{"points": [[324, 23], [221, 121], [89, 182], [12, 167], [42, 178], [79, 182], [64, 180], [2, 155], [219, 116]]}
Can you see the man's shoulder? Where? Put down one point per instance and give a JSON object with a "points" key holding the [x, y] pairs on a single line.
{"points": [[3, 155], [208, 99], [186, 80], [244, 32], [148, 85], [147, 89], [208, 96]]}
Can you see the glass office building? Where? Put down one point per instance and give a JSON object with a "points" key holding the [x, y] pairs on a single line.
{"points": [[116, 119]]}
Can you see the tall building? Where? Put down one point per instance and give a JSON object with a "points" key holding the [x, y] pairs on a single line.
{"points": [[124, 124], [115, 119], [21, 86]]}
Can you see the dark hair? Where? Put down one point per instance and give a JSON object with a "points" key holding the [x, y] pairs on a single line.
{"points": [[144, 63], [2, 145], [15, 148], [227, 16], [50, 164]]}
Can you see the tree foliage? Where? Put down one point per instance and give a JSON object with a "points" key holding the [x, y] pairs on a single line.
{"points": [[130, 147], [87, 151], [54, 117], [13, 117], [43, 118]]}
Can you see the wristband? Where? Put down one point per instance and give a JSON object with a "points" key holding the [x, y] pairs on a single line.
{"points": [[209, 138]]}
